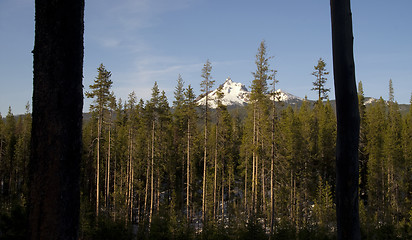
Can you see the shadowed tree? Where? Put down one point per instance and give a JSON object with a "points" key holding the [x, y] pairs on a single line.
{"points": [[54, 198], [347, 169]]}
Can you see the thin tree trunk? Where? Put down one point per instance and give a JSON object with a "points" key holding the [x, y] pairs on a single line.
{"points": [[246, 205], [188, 173], [99, 130], [257, 172], [215, 178], [254, 160], [223, 195], [229, 183], [130, 176], [147, 179], [56, 137], [114, 188], [347, 111], [151, 176], [129, 172], [204, 168], [158, 189], [107, 197], [272, 192], [131, 194], [263, 187]]}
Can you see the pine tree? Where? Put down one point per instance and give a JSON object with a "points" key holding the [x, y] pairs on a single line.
{"points": [[191, 119], [324, 209], [326, 141], [9, 157], [259, 114], [206, 85], [376, 185], [292, 174], [407, 155], [100, 91], [319, 84], [363, 143], [132, 121], [153, 117], [393, 155], [274, 119], [179, 143], [22, 154]]}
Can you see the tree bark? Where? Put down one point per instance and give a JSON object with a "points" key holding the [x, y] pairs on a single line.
{"points": [[108, 167], [204, 166], [272, 169], [99, 130], [151, 175], [215, 176], [347, 170], [188, 174], [54, 198]]}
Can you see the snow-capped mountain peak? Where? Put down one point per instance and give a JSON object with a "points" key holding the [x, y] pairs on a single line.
{"points": [[235, 93]]}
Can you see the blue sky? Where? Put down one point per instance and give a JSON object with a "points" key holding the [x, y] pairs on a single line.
{"points": [[143, 41]]}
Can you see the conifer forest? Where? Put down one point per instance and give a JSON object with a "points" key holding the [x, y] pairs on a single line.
{"points": [[174, 169]]}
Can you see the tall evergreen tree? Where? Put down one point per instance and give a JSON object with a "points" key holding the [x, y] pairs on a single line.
{"points": [[393, 155], [363, 143], [274, 119], [259, 116], [22, 155], [179, 142], [191, 119], [205, 85], [319, 84], [9, 157], [376, 122], [100, 91]]}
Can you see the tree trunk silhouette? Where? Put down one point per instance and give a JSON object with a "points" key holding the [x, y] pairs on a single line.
{"points": [[347, 169], [54, 198]]}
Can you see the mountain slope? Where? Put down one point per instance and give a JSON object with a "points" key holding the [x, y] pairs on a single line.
{"points": [[236, 94]]}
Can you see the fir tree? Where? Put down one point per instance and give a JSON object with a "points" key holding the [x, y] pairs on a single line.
{"points": [[319, 84], [100, 91], [394, 163], [377, 124], [258, 114], [363, 143], [206, 84]]}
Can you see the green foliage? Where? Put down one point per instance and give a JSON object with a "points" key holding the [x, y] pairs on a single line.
{"points": [[319, 84], [134, 132], [324, 209], [262, 74], [108, 229]]}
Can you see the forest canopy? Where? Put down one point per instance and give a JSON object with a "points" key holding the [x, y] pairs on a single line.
{"points": [[183, 171]]}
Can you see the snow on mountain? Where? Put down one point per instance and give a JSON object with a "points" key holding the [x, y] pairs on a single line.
{"points": [[236, 94], [233, 94], [285, 97], [370, 100]]}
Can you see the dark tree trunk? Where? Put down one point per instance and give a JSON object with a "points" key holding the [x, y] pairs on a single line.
{"points": [[347, 170], [54, 198]]}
